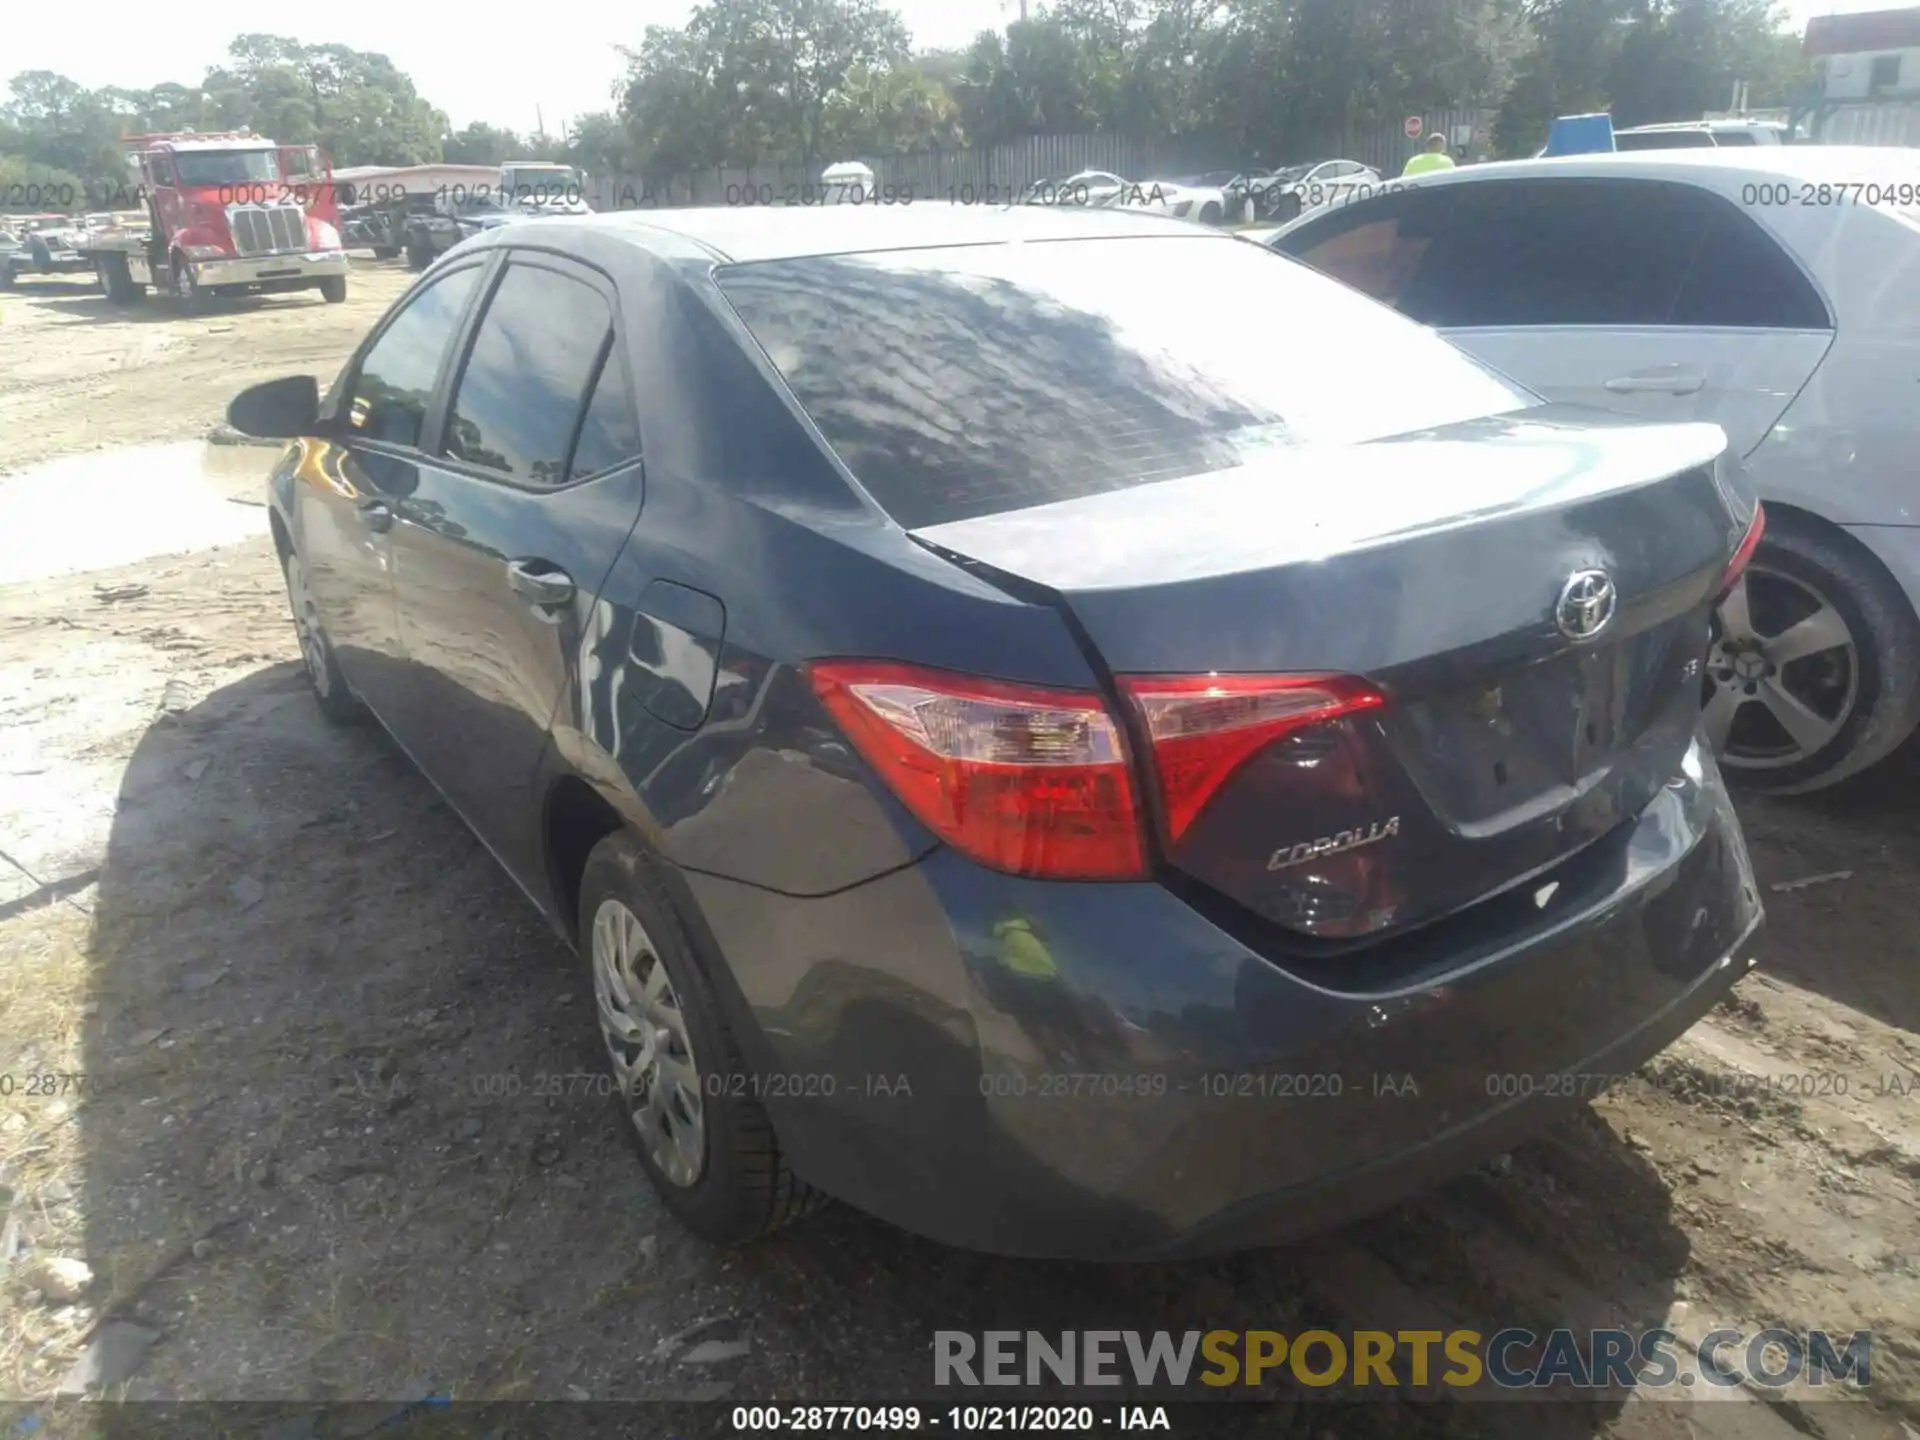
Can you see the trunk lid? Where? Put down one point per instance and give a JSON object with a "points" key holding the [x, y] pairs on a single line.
{"points": [[1439, 567]]}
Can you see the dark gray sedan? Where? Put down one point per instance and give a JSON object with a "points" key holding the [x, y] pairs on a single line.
{"points": [[1018, 747]]}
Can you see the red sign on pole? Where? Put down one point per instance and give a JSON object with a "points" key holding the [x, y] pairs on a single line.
{"points": [[1413, 127]]}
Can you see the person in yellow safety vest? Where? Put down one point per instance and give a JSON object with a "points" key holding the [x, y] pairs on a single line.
{"points": [[1434, 157]]}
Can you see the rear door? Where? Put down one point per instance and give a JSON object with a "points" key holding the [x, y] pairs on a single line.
{"points": [[501, 549], [1654, 298]]}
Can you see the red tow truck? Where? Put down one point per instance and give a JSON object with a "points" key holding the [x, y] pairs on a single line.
{"points": [[227, 213]]}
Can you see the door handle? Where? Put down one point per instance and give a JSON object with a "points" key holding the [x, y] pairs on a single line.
{"points": [[1658, 382], [377, 514], [539, 583]]}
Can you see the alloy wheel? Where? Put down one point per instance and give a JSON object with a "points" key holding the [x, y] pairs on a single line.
{"points": [[1783, 672], [306, 625], [647, 1042]]}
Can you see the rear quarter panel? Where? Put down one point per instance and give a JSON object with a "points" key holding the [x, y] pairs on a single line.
{"points": [[743, 506], [1848, 448]]}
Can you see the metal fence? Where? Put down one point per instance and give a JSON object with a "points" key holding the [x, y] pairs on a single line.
{"points": [[1889, 123], [998, 174]]}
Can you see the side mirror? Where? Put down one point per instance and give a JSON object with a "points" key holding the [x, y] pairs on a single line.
{"points": [[277, 410]]}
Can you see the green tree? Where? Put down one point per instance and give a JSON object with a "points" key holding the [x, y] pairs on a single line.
{"points": [[481, 144], [358, 105], [597, 143], [751, 80], [893, 110]]}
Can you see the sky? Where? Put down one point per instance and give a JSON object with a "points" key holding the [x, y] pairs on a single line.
{"points": [[564, 65]]}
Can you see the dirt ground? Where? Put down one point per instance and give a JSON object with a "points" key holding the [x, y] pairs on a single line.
{"points": [[294, 1014]]}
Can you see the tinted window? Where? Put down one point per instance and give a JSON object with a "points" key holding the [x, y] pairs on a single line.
{"points": [[1561, 252], [1744, 278], [526, 378], [965, 381], [1735, 137], [609, 434], [396, 379], [1377, 245]]}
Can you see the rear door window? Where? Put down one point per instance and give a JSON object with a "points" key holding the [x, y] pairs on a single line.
{"points": [[523, 390], [1743, 278], [1567, 252], [609, 431], [960, 382]]}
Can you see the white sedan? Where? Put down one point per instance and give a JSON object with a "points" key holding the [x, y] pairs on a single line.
{"points": [[1772, 290], [1206, 204]]}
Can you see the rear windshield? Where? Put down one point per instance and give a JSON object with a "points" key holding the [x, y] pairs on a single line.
{"points": [[1665, 140], [964, 381]]}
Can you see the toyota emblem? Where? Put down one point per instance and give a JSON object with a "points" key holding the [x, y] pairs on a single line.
{"points": [[1586, 604]]}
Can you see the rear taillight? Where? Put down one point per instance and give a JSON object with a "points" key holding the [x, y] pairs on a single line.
{"points": [[1743, 553], [1205, 727], [1027, 780]]}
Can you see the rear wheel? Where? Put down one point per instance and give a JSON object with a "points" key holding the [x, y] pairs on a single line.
{"points": [[116, 278], [1814, 669], [333, 289], [701, 1136], [1210, 214], [337, 702], [419, 256]]}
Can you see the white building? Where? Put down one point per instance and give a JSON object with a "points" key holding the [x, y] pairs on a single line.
{"points": [[1874, 55]]}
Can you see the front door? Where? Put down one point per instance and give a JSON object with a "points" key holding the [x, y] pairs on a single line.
{"points": [[352, 482], [501, 547]]}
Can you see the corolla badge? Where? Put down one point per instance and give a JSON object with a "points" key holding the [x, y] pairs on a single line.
{"points": [[1290, 855], [1586, 605]]}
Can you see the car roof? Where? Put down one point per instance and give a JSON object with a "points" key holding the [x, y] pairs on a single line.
{"points": [[744, 234], [1735, 123], [1706, 165]]}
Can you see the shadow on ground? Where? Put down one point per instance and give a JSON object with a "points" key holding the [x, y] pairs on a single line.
{"points": [[85, 305], [1869, 827], [341, 1144]]}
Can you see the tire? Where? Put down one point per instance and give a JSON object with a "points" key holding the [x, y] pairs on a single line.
{"points": [[6, 275], [1210, 214], [1865, 694], [385, 252], [741, 1187], [418, 256], [333, 289], [185, 289], [116, 278], [1287, 208], [338, 703]]}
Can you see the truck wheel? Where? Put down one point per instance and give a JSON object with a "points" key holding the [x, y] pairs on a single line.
{"points": [[333, 289], [117, 279], [418, 255], [184, 287]]}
